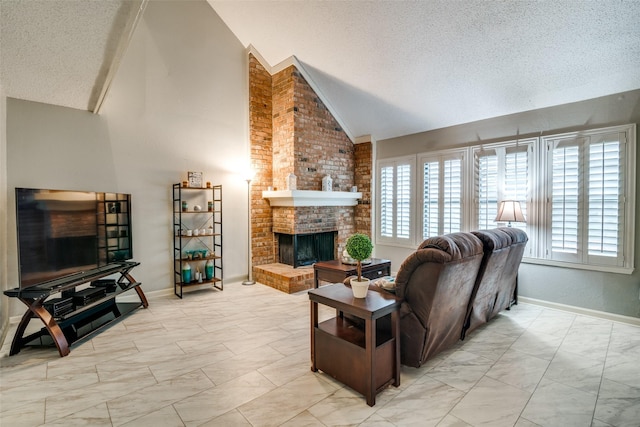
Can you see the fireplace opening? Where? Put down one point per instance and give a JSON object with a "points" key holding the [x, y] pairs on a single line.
{"points": [[305, 249]]}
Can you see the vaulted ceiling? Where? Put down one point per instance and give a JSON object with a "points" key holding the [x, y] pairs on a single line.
{"points": [[385, 68]]}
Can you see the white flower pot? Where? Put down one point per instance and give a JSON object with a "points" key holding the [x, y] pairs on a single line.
{"points": [[360, 288]]}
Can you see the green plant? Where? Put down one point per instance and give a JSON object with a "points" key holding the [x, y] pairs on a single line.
{"points": [[359, 247]]}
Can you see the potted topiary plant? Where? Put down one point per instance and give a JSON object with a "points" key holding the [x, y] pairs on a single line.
{"points": [[359, 247]]}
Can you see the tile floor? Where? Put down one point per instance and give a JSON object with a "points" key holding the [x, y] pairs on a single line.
{"points": [[241, 358]]}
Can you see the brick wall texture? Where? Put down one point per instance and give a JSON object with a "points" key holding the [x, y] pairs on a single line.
{"points": [[261, 135], [292, 131]]}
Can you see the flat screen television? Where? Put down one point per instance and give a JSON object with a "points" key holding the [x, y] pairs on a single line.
{"points": [[64, 232]]}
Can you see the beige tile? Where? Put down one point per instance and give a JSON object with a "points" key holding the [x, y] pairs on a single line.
{"points": [[287, 401], [491, 403], [519, 370], [576, 371], [25, 415], [214, 402], [164, 417], [618, 404], [150, 399], [557, 404], [97, 416], [461, 370], [410, 407]]}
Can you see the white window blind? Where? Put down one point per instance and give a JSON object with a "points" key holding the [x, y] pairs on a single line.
{"points": [[587, 195], [577, 191], [502, 172], [386, 200], [452, 196], [396, 200], [486, 188], [403, 205], [605, 203], [441, 194], [430, 207], [565, 189]]}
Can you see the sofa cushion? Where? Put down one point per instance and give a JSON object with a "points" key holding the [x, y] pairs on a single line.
{"points": [[493, 239], [458, 245], [495, 285]]}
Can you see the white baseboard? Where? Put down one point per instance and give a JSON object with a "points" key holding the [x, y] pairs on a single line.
{"points": [[579, 310]]}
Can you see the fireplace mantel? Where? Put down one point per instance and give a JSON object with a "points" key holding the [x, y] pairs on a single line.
{"points": [[297, 198]]}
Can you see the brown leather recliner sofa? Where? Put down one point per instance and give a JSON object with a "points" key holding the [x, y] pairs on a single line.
{"points": [[435, 284], [496, 285], [451, 285]]}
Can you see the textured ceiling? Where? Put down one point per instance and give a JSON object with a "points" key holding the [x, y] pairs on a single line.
{"points": [[61, 52], [391, 68], [386, 68]]}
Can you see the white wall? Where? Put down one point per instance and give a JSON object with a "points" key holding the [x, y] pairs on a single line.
{"points": [[593, 290], [179, 102]]}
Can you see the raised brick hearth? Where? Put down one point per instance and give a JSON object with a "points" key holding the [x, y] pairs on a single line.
{"points": [[284, 277]]}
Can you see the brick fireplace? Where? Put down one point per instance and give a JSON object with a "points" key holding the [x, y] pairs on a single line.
{"points": [[292, 131]]}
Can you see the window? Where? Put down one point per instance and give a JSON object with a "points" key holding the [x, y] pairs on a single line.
{"points": [[576, 190], [502, 172], [441, 194], [588, 195], [396, 200]]}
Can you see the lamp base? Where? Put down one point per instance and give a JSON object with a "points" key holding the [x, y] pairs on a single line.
{"points": [[249, 282]]}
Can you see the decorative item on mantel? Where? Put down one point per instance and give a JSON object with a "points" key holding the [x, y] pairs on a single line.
{"points": [[291, 182], [327, 183], [359, 247]]}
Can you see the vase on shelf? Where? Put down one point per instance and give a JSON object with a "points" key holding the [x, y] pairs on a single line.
{"points": [[208, 270], [186, 273]]}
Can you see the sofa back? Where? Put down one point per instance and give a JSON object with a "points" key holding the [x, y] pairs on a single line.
{"points": [[435, 284], [495, 287]]}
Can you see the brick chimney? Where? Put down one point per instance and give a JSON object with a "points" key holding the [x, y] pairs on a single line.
{"points": [[292, 131]]}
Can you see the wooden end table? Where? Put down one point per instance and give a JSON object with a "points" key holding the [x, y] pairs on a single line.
{"points": [[367, 360], [335, 271]]}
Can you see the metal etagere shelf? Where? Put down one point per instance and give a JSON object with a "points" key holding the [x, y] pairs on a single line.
{"points": [[197, 237]]}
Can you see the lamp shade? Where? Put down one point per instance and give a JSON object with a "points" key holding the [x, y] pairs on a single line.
{"points": [[508, 211]]}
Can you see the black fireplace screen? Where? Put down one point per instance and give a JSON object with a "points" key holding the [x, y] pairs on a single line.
{"points": [[305, 249]]}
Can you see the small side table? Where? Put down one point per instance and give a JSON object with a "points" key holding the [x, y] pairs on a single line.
{"points": [[335, 271], [366, 360]]}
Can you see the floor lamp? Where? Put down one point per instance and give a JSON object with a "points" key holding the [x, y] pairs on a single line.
{"points": [[249, 280]]}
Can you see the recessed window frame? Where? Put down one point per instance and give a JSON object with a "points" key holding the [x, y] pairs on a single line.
{"points": [[583, 260], [442, 159], [388, 228], [499, 154], [538, 206]]}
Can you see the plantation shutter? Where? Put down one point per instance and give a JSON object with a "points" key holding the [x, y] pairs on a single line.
{"points": [[605, 210], [430, 206], [486, 170], [516, 178], [386, 200], [396, 200], [452, 196], [566, 187], [403, 205], [441, 195]]}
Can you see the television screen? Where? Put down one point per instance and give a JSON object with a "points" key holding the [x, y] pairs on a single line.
{"points": [[63, 232]]}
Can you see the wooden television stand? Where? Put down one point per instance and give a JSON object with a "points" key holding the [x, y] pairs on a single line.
{"points": [[84, 320]]}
